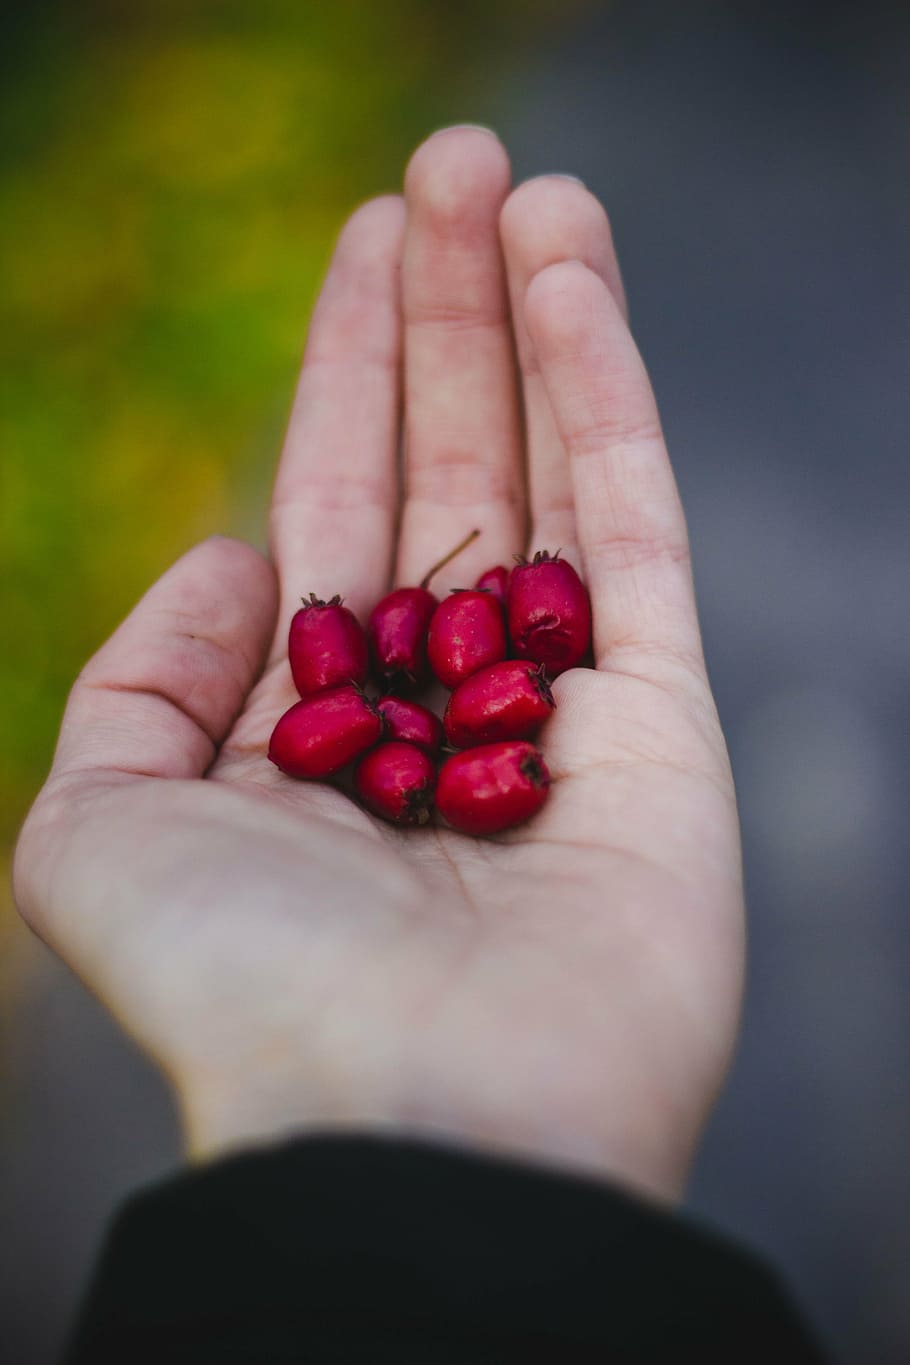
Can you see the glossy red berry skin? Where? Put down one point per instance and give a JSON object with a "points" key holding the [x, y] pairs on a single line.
{"points": [[493, 787], [549, 613], [495, 581], [321, 734], [508, 700], [411, 723], [327, 647], [396, 781], [397, 632], [467, 632]]}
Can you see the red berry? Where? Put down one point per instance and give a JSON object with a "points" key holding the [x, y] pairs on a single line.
{"points": [[467, 632], [484, 790], [396, 781], [397, 630], [495, 581], [411, 723], [320, 734], [508, 700], [326, 646], [549, 613]]}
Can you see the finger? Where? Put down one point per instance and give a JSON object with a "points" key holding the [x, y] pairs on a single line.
{"points": [[631, 528], [159, 697], [336, 491], [464, 463], [546, 220]]}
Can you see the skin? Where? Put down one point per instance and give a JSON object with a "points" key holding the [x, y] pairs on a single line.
{"points": [[566, 992]]}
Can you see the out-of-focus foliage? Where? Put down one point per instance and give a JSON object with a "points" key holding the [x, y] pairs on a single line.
{"points": [[172, 174]]}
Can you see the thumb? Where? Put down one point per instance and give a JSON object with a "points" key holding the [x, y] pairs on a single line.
{"points": [[159, 697], [155, 702]]}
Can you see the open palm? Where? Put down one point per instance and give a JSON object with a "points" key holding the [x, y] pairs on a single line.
{"points": [[567, 990]]}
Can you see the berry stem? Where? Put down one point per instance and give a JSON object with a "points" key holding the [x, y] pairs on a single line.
{"points": [[462, 545]]}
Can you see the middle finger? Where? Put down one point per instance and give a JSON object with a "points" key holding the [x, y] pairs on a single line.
{"points": [[463, 451]]}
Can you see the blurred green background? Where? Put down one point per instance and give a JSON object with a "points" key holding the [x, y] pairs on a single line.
{"points": [[172, 175]]}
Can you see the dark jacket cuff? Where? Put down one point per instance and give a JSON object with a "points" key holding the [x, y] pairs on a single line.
{"points": [[354, 1248]]}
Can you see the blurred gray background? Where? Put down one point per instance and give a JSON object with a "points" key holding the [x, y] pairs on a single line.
{"points": [[753, 158]]}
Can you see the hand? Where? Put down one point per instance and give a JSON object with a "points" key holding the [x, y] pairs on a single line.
{"points": [[567, 991]]}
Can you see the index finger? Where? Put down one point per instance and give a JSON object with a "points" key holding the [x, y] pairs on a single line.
{"points": [[336, 490]]}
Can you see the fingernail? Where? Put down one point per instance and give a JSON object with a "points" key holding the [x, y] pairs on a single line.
{"points": [[557, 175], [465, 127]]}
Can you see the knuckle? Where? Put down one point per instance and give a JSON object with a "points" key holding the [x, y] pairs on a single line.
{"points": [[614, 426], [638, 548], [456, 315]]}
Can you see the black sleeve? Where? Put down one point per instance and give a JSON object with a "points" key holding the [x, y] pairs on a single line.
{"points": [[365, 1249]]}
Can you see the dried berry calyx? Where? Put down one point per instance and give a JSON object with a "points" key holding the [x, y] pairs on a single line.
{"points": [[534, 769], [540, 557], [314, 601], [539, 678], [419, 803]]}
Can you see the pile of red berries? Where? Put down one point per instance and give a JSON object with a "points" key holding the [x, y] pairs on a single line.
{"points": [[495, 646]]}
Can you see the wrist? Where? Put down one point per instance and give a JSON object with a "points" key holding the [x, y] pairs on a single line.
{"points": [[264, 1107]]}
